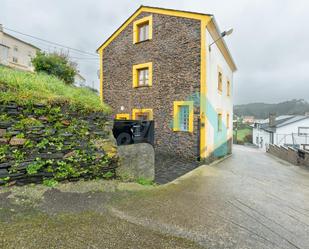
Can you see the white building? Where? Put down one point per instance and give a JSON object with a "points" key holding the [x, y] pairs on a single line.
{"points": [[286, 130], [16, 53]]}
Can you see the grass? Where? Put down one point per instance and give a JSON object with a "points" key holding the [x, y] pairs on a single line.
{"points": [[242, 133], [28, 88]]}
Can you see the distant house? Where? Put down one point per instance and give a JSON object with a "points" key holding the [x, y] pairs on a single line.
{"points": [[248, 119], [79, 80], [172, 67], [286, 130], [16, 53]]}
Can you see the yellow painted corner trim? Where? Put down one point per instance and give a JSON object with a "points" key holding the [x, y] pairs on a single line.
{"points": [[101, 74], [176, 125], [123, 116], [177, 13], [135, 73], [148, 111], [203, 92], [136, 24]]}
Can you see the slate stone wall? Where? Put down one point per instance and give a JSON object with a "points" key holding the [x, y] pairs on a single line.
{"points": [[39, 142], [175, 54], [295, 156]]}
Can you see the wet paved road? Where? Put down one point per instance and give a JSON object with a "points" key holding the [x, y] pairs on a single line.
{"points": [[249, 201]]}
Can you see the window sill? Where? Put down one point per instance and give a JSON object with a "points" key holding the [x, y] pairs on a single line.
{"points": [[142, 86], [138, 42]]}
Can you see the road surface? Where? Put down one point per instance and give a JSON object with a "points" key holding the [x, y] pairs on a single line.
{"points": [[250, 200]]}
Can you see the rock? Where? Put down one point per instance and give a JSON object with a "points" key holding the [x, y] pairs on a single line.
{"points": [[5, 165], [5, 124], [4, 141], [136, 161], [66, 122], [2, 132], [17, 141], [70, 154], [3, 173], [56, 155]]}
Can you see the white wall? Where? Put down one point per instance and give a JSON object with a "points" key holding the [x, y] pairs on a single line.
{"points": [[24, 54], [283, 134], [260, 138], [217, 102]]}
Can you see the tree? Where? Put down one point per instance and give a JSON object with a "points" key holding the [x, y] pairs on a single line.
{"points": [[55, 64]]}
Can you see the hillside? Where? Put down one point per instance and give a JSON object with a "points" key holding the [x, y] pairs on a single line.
{"points": [[24, 87], [262, 110]]}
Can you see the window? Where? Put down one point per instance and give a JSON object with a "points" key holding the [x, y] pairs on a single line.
{"points": [[142, 114], [15, 48], [123, 116], [219, 122], [227, 120], [303, 131], [142, 29], [15, 60], [142, 75], [228, 88], [183, 116], [220, 81]]}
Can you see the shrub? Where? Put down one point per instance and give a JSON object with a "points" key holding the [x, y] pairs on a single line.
{"points": [[55, 64]]}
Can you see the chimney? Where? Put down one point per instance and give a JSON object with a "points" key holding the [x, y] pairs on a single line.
{"points": [[272, 119]]}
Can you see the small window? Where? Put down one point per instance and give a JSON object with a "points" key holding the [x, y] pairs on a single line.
{"points": [[220, 81], [143, 32], [228, 88], [142, 114], [183, 116], [303, 131], [123, 116], [15, 48], [219, 122], [142, 29], [15, 60], [227, 120], [142, 75]]}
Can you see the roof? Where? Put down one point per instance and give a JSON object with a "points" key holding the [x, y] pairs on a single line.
{"points": [[179, 13], [281, 121], [29, 44], [4, 45]]}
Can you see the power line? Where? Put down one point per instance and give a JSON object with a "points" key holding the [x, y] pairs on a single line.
{"points": [[54, 43]]}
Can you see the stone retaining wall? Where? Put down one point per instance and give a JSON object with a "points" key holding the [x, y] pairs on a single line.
{"points": [[39, 142], [294, 156]]}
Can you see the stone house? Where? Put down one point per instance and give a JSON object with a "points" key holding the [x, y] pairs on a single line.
{"points": [[172, 67], [15, 52]]}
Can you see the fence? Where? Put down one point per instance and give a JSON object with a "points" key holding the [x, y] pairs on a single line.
{"points": [[294, 140]]}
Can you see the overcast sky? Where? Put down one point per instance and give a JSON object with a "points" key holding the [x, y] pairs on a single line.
{"points": [[270, 43]]}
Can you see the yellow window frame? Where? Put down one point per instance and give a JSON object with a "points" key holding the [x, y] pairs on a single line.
{"points": [[220, 81], [123, 116], [138, 67], [137, 24], [228, 88], [148, 111], [220, 121], [227, 120], [177, 104]]}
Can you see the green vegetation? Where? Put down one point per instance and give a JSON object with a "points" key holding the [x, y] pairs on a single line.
{"points": [[55, 64], [262, 110], [244, 135], [26, 88], [144, 182]]}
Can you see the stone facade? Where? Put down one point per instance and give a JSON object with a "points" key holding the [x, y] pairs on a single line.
{"points": [[175, 53]]}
